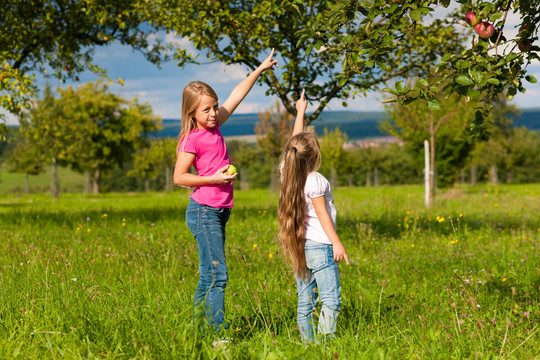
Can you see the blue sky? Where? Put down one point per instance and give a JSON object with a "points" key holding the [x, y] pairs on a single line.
{"points": [[162, 88]]}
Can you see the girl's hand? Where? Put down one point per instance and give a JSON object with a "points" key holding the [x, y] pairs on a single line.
{"points": [[221, 178], [301, 104], [339, 253], [269, 63]]}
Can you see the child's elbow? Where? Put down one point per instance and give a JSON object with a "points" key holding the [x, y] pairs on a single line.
{"points": [[178, 180]]}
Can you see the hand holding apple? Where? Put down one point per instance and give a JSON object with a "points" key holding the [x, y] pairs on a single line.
{"points": [[231, 170]]}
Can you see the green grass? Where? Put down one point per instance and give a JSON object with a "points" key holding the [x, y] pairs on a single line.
{"points": [[14, 183], [113, 276]]}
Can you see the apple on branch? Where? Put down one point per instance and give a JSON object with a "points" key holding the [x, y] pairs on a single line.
{"points": [[523, 44], [484, 29], [470, 18]]}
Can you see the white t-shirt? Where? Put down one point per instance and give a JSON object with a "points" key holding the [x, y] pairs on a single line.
{"points": [[316, 186]]}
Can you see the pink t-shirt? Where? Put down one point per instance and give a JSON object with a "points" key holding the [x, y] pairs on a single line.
{"points": [[211, 155]]}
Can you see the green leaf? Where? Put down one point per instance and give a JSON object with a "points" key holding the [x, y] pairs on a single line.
{"points": [[423, 82], [434, 103], [476, 75], [391, 100], [464, 80], [445, 3], [495, 16], [416, 15], [390, 90], [472, 92], [530, 79], [493, 81]]}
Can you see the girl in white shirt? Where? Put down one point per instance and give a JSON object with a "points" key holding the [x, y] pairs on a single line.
{"points": [[307, 230]]}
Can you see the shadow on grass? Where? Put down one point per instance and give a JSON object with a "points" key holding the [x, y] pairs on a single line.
{"points": [[393, 225], [21, 214]]}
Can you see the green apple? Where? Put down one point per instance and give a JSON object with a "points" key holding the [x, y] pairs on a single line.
{"points": [[231, 170]]}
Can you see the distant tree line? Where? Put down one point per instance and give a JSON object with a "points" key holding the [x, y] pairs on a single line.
{"points": [[105, 137]]}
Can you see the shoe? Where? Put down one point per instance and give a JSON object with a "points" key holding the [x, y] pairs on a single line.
{"points": [[222, 342]]}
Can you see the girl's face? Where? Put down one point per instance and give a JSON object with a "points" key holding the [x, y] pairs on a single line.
{"points": [[206, 114]]}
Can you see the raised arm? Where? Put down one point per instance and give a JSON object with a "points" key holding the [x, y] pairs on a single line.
{"points": [[241, 90], [301, 106]]}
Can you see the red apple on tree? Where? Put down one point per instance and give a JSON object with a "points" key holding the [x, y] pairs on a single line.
{"points": [[523, 43], [484, 29], [470, 18]]}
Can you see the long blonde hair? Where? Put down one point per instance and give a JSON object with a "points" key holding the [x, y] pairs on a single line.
{"points": [[191, 97], [301, 157]]}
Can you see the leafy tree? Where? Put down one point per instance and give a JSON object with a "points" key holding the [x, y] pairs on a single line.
{"points": [[156, 160], [483, 70], [58, 38], [333, 154], [243, 31], [511, 152], [445, 130], [273, 131], [393, 164], [51, 133], [244, 155], [26, 158], [108, 128]]}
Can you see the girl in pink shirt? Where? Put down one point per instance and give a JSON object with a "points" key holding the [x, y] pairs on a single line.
{"points": [[202, 146]]}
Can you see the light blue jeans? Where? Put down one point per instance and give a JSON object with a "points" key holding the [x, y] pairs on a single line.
{"points": [[207, 224], [323, 275]]}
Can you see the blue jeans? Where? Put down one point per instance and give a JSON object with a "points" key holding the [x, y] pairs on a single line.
{"points": [[323, 274], [207, 224]]}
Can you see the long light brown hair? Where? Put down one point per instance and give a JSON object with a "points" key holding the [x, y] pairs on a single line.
{"points": [[301, 157], [191, 97]]}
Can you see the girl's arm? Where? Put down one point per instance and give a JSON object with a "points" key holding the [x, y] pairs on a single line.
{"points": [[324, 218], [241, 90], [182, 176], [301, 106]]}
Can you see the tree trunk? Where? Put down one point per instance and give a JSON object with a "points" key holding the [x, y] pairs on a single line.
{"points": [[87, 182], [147, 185], [508, 177], [473, 175], [333, 177], [26, 184], [432, 169], [97, 180], [493, 178], [462, 176], [167, 178], [351, 182], [54, 178], [376, 176], [368, 179], [244, 185]]}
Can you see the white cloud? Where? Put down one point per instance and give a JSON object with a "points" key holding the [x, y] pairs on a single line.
{"points": [[181, 42], [220, 73]]}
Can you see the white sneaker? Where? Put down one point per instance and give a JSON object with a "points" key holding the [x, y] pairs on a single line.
{"points": [[221, 342]]}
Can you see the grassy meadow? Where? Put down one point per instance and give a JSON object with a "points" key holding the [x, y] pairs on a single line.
{"points": [[113, 277]]}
